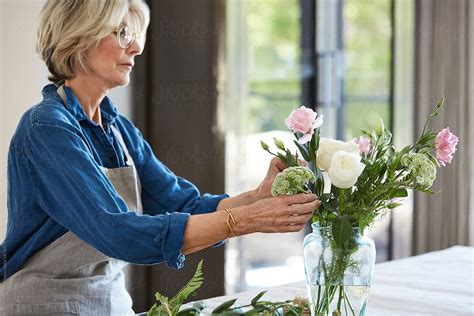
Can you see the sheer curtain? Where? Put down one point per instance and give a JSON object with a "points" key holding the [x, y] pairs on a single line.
{"points": [[444, 58]]}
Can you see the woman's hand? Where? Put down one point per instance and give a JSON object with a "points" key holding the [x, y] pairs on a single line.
{"points": [[287, 213], [265, 188], [276, 166]]}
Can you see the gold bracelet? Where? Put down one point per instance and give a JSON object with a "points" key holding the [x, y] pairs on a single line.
{"points": [[229, 216]]}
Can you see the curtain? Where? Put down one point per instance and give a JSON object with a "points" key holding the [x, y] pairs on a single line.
{"points": [[444, 58], [177, 104]]}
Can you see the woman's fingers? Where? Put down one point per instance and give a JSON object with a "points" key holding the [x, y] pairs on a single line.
{"points": [[306, 208], [281, 214], [298, 198], [293, 227], [299, 215], [302, 163], [278, 163], [299, 219]]}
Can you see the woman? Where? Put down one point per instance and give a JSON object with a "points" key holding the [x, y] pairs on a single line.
{"points": [[86, 193]]}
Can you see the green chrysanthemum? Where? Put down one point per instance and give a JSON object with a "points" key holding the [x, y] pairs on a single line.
{"points": [[420, 168], [292, 180]]}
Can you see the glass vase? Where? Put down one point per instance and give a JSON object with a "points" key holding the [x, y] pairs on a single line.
{"points": [[338, 278]]}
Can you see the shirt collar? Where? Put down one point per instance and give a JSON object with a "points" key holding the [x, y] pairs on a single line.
{"points": [[108, 110]]}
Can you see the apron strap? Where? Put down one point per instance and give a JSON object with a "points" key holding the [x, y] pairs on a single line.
{"points": [[122, 143], [62, 94], [116, 132]]}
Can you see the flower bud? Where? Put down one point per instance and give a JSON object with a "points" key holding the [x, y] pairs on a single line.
{"points": [[380, 128]]}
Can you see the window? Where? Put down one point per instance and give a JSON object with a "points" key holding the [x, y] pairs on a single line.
{"points": [[334, 55]]}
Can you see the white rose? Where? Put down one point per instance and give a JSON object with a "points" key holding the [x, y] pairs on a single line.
{"points": [[345, 169], [328, 147]]}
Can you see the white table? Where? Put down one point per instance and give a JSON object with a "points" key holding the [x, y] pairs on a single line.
{"points": [[436, 283]]}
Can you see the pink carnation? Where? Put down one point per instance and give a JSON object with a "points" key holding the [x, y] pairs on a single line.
{"points": [[364, 145], [445, 145], [304, 121]]}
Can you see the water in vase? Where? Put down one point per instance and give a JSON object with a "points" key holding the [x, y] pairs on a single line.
{"points": [[338, 300]]}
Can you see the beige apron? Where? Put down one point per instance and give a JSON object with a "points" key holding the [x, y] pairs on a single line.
{"points": [[70, 277]]}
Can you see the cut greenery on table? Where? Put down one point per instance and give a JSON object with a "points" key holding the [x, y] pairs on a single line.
{"points": [[171, 307]]}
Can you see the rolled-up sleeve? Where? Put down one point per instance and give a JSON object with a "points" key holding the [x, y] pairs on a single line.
{"points": [[171, 240], [74, 192]]}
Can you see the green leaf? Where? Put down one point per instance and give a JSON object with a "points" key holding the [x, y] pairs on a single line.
{"points": [[398, 193], [193, 284], [257, 310], [330, 205], [232, 313], [341, 230], [292, 160], [382, 170], [319, 185], [400, 154], [365, 132], [375, 168], [303, 150], [325, 197], [428, 138], [160, 311], [161, 298], [256, 298], [394, 205], [152, 311], [199, 305], [433, 160], [221, 308], [313, 145], [188, 312], [285, 160], [196, 309], [279, 143]]}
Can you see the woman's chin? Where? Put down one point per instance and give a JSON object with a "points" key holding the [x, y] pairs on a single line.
{"points": [[120, 82], [125, 82]]}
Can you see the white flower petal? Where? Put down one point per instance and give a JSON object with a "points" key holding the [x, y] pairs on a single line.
{"points": [[345, 169]]}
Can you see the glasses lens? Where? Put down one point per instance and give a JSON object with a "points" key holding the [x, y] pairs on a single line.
{"points": [[126, 37]]}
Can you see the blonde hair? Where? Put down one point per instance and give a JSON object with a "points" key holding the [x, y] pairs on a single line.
{"points": [[67, 28]]}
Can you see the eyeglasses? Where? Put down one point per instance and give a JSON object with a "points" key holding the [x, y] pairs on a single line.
{"points": [[125, 36]]}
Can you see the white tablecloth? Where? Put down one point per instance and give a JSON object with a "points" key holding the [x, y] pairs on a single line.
{"points": [[436, 283]]}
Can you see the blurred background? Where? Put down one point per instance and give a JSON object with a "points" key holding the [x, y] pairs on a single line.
{"points": [[218, 76]]}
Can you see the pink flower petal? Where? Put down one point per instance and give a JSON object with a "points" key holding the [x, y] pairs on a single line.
{"points": [[445, 145], [364, 145], [305, 138], [303, 120]]}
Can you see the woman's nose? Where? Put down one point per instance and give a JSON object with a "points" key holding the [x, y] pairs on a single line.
{"points": [[136, 48]]}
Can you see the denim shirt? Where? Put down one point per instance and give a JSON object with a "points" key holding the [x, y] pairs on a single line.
{"points": [[55, 185]]}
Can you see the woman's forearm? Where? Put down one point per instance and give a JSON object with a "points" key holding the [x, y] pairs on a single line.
{"points": [[205, 230], [242, 199]]}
